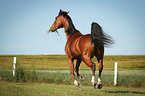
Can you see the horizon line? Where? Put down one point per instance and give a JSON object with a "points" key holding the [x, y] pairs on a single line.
{"points": [[64, 54]]}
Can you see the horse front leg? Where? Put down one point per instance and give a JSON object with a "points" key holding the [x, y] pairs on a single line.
{"points": [[71, 66], [77, 70]]}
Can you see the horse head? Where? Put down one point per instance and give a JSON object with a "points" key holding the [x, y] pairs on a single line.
{"points": [[59, 21]]}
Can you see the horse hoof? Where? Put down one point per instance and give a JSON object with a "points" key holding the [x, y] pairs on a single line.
{"points": [[79, 85], [99, 86], [81, 78], [95, 85]]}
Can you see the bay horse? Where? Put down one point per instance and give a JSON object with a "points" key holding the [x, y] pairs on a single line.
{"points": [[82, 47]]}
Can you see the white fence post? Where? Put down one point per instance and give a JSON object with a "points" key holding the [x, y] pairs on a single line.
{"points": [[14, 66], [115, 74]]}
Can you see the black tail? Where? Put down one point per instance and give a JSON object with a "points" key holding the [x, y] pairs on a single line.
{"points": [[98, 37]]}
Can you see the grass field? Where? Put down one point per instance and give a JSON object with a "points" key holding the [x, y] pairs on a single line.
{"points": [[44, 74], [44, 89]]}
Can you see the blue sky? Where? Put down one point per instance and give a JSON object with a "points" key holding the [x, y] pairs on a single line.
{"points": [[24, 24]]}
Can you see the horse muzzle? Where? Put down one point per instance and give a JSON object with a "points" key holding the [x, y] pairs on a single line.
{"points": [[52, 29]]}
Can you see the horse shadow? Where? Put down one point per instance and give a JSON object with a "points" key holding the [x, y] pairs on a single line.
{"points": [[134, 92]]}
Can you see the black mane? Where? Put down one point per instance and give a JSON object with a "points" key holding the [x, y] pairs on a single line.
{"points": [[71, 28]]}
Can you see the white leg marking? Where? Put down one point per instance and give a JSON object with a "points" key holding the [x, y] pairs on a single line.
{"points": [[99, 80], [75, 82], [93, 79]]}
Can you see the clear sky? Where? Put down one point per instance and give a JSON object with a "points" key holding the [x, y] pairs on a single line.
{"points": [[24, 24]]}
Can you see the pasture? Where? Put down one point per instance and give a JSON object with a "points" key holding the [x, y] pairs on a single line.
{"points": [[48, 73], [45, 89]]}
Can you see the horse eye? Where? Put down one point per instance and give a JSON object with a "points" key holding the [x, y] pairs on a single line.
{"points": [[55, 18]]}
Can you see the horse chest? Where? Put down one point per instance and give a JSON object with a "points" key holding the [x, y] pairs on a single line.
{"points": [[72, 48]]}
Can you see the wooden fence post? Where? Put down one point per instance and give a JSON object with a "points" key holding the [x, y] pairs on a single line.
{"points": [[115, 74], [14, 66]]}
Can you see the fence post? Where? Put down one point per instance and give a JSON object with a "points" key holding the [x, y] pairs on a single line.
{"points": [[115, 74], [14, 66]]}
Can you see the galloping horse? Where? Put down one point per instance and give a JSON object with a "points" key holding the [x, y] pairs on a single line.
{"points": [[82, 47]]}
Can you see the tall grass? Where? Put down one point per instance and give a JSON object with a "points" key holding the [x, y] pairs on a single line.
{"points": [[21, 74], [64, 77]]}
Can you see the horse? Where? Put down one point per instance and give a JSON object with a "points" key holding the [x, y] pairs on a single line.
{"points": [[82, 47]]}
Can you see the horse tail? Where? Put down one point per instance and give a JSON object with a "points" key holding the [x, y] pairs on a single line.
{"points": [[98, 37]]}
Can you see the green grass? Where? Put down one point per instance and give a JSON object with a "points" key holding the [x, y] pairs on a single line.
{"points": [[44, 89]]}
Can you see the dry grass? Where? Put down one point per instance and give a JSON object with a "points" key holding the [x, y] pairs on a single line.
{"points": [[60, 61]]}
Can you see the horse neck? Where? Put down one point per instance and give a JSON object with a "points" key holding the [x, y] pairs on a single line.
{"points": [[69, 28]]}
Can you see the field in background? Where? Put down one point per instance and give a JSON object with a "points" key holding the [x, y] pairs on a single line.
{"points": [[42, 62]]}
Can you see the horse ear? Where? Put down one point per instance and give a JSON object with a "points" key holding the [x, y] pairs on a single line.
{"points": [[68, 12], [60, 12]]}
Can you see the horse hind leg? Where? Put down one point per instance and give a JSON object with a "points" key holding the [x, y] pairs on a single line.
{"points": [[93, 68], [100, 61], [77, 70]]}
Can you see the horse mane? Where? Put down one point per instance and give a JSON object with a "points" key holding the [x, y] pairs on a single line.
{"points": [[71, 28]]}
